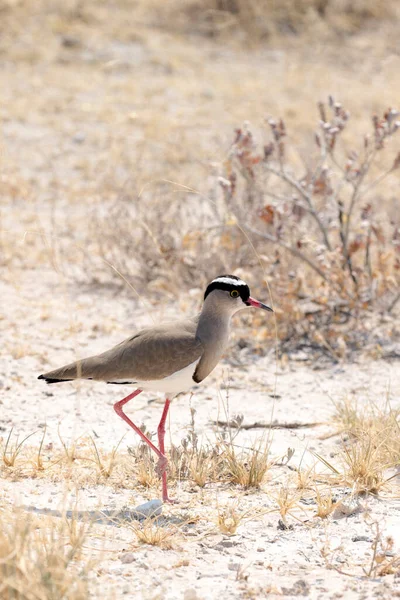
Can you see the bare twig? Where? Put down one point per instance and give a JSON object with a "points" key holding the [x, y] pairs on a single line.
{"points": [[393, 303], [293, 183], [356, 189], [295, 252], [342, 233]]}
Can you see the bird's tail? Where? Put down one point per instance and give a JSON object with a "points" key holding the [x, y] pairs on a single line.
{"points": [[81, 369]]}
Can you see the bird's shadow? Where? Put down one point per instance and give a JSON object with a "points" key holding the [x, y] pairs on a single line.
{"points": [[114, 517]]}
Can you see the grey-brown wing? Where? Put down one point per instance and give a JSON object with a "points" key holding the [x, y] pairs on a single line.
{"points": [[150, 355]]}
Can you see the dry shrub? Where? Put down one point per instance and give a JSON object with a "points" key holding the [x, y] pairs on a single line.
{"points": [[317, 222], [325, 236], [41, 557], [259, 19], [138, 233]]}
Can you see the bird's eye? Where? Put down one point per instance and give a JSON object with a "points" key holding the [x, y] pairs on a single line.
{"points": [[234, 293]]}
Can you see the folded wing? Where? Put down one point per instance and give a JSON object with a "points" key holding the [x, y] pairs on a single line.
{"points": [[152, 354]]}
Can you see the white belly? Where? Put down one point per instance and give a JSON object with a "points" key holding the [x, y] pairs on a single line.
{"points": [[178, 382]]}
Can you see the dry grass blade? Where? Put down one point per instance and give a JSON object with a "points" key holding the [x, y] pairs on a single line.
{"points": [[70, 450], [363, 464]]}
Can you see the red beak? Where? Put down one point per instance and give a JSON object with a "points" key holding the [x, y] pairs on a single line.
{"points": [[253, 302]]}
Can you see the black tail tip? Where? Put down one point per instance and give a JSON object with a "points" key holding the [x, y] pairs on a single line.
{"points": [[51, 380]]}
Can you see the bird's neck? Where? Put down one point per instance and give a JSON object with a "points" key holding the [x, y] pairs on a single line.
{"points": [[213, 328]]}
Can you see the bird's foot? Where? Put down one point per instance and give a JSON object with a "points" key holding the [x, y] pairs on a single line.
{"points": [[168, 500]]}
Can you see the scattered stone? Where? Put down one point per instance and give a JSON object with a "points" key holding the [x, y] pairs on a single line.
{"points": [[152, 508], [227, 544], [361, 538], [79, 137], [299, 588], [283, 527], [347, 507], [128, 558], [68, 41]]}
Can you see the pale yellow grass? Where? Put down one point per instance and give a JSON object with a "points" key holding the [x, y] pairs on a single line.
{"points": [[42, 557]]}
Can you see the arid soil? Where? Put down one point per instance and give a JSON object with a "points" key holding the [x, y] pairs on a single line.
{"points": [[315, 558]]}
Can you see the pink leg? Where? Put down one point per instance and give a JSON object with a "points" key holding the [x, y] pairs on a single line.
{"points": [[162, 462], [161, 436]]}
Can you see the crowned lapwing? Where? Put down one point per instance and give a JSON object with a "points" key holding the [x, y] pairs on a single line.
{"points": [[167, 358]]}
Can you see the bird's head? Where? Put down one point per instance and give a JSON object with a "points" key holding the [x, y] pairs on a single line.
{"points": [[231, 294]]}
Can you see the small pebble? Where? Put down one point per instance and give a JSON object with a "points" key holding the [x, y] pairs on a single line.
{"points": [[227, 544], [127, 558], [153, 508]]}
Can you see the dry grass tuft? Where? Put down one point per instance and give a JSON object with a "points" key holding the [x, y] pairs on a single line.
{"points": [[363, 467], [371, 444], [287, 500], [229, 518], [105, 464], [220, 459], [305, 477], [155, 532], [247, 467], [325, 503], [83, 463], [79, 461], [11, 450], [42, 557]]}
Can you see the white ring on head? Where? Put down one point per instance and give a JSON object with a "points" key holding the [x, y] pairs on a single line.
{"points": [[229, 280]]}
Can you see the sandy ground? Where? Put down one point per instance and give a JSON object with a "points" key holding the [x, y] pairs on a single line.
{"points": [[260, 560]]}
